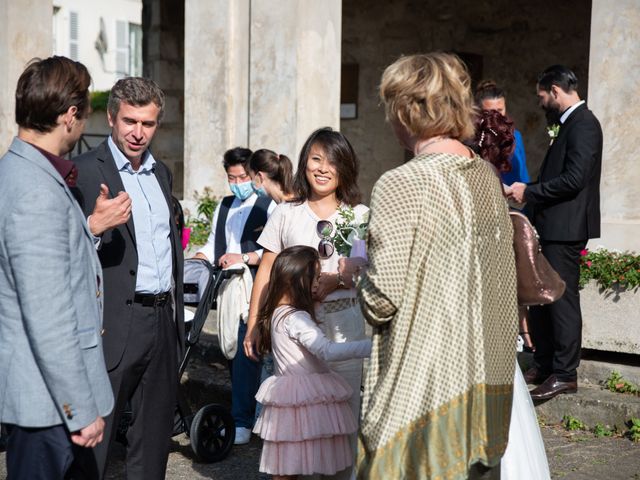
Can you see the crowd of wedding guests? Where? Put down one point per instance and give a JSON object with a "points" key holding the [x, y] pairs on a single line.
{"points": [[91, 274]]}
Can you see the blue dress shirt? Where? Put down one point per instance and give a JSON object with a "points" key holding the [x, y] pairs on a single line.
{"points": [[151, 219], [519, 172]]}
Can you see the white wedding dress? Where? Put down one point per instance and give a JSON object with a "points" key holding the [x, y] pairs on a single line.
{"points": [[525, 457]]}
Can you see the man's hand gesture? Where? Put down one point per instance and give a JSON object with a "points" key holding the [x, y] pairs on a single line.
{"points": [[109, 212]]}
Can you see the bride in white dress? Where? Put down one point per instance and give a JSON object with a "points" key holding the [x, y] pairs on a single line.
{"points": [[525, 457]]}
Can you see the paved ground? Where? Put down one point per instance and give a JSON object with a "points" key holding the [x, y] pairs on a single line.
{"points": [[572, 456]]}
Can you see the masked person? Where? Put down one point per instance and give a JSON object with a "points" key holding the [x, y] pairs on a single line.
{"points": [[237, 223]]}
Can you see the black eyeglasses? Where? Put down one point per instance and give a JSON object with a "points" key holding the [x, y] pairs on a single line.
{"points": [[324, 228]]}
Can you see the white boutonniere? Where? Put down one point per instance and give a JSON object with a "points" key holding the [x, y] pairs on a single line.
{"points": [[553, 131]]}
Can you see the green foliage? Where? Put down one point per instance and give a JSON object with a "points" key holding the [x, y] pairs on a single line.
{"points": [[616, 383], [200, 224], [572, 424], [601, 431], [99, 100], [611, 270], [634, 429]]}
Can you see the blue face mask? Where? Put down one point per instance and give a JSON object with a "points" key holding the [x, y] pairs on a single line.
{"points": [[242, 191], [260, 191]]}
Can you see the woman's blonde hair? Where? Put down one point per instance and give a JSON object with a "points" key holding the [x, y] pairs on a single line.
{"points": [[430, 95]]}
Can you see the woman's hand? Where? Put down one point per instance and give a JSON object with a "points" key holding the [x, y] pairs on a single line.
{"points": [[327, 283], [350, 268], [251, 344]]}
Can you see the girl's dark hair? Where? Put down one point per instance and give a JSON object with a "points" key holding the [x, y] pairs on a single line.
{"points": [[341, 155], [488, 90], [292, 274], [494, 140], [277, 167]]}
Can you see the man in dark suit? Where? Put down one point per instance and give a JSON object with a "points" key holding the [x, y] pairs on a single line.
{"points": [[54, 389], [126, 194], [565, 207]]}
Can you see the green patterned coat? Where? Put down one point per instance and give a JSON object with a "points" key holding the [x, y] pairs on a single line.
{"points": [[441, 296]]}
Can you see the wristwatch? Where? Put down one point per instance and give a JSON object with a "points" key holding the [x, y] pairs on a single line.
{"points": [[245, 258]]}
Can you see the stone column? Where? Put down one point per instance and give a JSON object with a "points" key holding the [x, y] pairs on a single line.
{"points": [[294, 84], [258, 73], [163, 24], [26, 33], [614, 83], [216, 86]]}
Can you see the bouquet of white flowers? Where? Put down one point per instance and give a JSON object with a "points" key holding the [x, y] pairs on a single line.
{"points": [[350, 231]]}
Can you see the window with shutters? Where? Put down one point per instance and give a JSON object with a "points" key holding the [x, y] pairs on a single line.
{"points": [[73, 35]]}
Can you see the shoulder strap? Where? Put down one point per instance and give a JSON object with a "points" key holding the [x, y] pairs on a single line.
{"points": [[255, 224], [220, 247]]}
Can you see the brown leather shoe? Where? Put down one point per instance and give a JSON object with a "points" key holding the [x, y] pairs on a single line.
{"points": [[533, 376], [552, 387]]}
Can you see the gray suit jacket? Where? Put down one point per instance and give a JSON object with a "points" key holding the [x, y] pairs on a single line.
{"points": [[52, 367]]}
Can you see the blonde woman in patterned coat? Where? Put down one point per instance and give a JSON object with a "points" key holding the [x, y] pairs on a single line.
{"points": [[440, 292]]}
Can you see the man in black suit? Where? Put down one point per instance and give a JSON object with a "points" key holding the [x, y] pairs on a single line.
{"points": [[565, 207], [126, 194]]}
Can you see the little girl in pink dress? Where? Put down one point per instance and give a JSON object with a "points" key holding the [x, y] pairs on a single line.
{"points": [[306, 418]]}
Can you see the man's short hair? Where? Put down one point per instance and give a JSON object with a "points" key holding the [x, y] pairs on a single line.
{"points": [[236, 156], [136, 91], [48, 88], [560, 76]]}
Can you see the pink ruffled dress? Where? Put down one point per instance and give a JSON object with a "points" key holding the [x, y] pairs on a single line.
{"points": [[306, 418]]}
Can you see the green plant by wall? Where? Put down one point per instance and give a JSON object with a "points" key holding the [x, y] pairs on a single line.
{"points": [[634, 429], [601, 431], [200, 224], [610, 269], [99, 100], [572, 424], [616, 383]]}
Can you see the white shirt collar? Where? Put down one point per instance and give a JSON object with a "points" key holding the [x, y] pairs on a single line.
{"points": [[123, 163], [569, 110]]}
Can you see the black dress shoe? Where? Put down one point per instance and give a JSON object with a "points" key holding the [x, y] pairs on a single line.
{"points": [[534, 376], [552, 387]]}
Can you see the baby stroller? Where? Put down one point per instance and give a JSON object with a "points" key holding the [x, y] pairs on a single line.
{"points": [[211, 429]]}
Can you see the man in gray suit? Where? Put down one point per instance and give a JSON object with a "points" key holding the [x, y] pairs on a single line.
{"points": [[54, 388]]}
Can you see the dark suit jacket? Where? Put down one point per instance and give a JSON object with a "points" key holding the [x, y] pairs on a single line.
{"points": [[118, 253], [565, 201]]}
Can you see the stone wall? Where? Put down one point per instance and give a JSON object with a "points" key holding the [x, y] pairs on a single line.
{"points": [[614, 67], [25, 34], [163, 61], [517, 40]]}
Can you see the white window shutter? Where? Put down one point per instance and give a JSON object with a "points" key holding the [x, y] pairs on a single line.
{"points": [[73, 35], [122, 48]]}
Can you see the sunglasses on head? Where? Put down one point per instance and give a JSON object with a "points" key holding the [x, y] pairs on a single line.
{"points": [[324, 229]]}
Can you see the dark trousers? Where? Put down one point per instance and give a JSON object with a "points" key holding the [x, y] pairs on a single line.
{"points": [[556, 329], [39, 453], [245, 380], [147, 379], [479, 471]]}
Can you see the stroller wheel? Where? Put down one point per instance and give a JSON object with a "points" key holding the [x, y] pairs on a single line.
{"points": [[207, 440]]}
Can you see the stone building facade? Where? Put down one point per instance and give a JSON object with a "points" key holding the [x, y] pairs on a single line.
{"points": [[265, 73]]}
